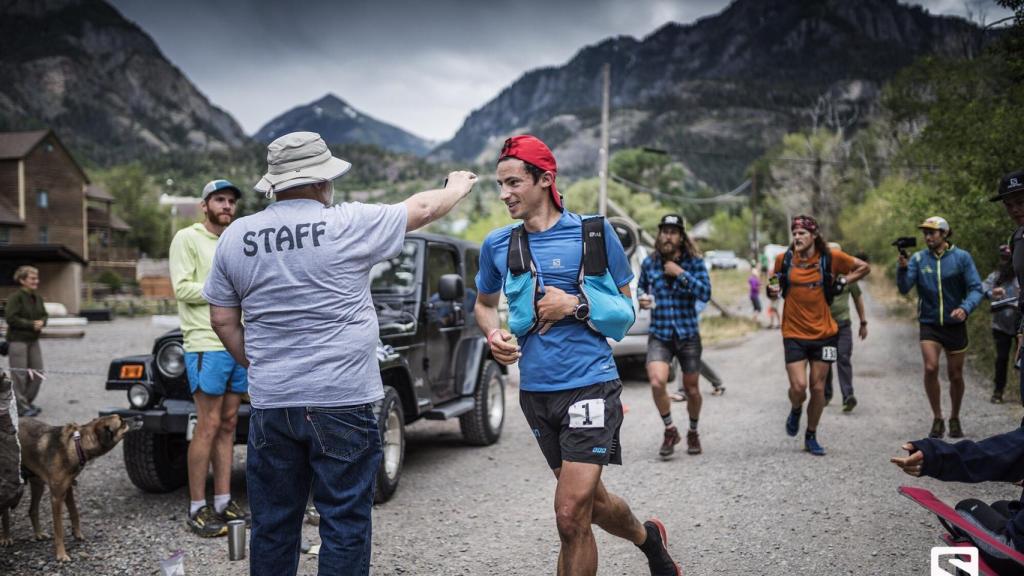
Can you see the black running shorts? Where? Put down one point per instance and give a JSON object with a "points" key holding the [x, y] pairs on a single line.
{"points": [[953, 337], [824, 350], [578, 425], [687, 351]]}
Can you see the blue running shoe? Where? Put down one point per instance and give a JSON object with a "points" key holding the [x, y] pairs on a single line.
{"points": [[811, 445], [793, 422]]}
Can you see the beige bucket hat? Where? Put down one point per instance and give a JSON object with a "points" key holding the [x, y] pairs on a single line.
{"points": [[299, 158]]}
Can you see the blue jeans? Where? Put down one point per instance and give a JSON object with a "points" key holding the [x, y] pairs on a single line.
{"points": [[334, 451]]}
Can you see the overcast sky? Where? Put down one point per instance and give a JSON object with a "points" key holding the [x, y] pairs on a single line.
{"points": [[422, 65]]}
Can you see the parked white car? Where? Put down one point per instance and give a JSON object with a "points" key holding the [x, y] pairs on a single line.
{"points": [[721, 259]]}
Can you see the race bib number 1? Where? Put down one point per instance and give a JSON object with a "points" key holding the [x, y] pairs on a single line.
{"points": [[829, 353], [587, 414]]}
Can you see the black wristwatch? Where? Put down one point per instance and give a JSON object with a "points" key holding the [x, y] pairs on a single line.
{"points": [[582, 310]]}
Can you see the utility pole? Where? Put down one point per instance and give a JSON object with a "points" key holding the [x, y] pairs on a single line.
{"points": [[602, 170]]}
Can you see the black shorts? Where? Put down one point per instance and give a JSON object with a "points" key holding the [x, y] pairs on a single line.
{"points": [[756, 303], [953, 337], [688, 351], [824, 350], [577, 425]]}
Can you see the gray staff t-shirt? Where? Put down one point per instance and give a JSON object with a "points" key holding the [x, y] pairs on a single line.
{"points": [[300, 273]]}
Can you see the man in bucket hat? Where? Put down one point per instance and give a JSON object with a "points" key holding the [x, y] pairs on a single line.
{"points": [[299, 272], [569, 386]]}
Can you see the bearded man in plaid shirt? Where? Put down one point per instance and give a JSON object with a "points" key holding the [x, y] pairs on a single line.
{"points": [[672, 281]]}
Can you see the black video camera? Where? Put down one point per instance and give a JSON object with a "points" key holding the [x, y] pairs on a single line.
{"points": [[903, 243]]}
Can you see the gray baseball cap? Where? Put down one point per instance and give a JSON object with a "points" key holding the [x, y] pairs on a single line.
{"points": [[218, 185], [299, 158]]}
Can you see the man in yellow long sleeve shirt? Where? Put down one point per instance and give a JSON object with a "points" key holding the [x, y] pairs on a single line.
{"points": [[216, 380]]}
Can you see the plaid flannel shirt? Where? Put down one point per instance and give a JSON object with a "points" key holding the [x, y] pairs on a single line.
{"points": [[675, 311]]}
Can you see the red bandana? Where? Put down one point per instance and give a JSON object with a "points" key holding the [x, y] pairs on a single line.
{"points": [[805, 222]]}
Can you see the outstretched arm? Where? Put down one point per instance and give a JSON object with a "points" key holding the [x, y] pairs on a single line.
{"points": [[998, 458], [426, 207]]}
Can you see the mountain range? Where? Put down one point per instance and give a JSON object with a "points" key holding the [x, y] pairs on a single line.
{"points": [[101, 82], [720, 91], [716, 93]]}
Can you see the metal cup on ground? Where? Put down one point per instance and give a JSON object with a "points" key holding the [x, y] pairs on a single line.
{"points": [[236, 539]]}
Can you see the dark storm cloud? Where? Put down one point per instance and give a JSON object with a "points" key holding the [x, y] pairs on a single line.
{"points": [[422, 65]]}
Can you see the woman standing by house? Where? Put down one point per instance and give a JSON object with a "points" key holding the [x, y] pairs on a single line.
{"points": [[26, 316]]}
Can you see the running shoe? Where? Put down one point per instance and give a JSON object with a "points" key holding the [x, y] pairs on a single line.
{"points": [[234, 512], [850, 403], [672, 437], [938, 428], [793, 422], [718, 391], [693, 443], [658, 558], [811, 445], [997, 397], [955, 431], [206, 523]]}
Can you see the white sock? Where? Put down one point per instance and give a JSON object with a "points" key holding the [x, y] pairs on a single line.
{"points": [[194, 506], [220, 502]]}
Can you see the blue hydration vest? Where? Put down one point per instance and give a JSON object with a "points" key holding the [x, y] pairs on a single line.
{"points": [[611, 312]]}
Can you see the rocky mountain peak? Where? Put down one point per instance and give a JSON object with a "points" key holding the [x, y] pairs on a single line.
{"points": [[340, 123]]}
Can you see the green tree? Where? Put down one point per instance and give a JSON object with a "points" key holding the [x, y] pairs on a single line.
{"points": [[137, 202], [581, 197], [731, 232]]}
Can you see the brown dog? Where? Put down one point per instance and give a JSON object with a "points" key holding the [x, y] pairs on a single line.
{"points": [[55, 455]]}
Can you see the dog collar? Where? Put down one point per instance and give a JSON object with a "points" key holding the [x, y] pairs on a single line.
{"points": [[77, 437]]}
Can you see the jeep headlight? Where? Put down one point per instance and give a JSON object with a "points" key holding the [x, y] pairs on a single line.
{"points": [[170, 360], [139, 396]]}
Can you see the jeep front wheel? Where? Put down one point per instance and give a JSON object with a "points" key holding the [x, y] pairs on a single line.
{"points": [[392, 436], [482, 425], [156, 462]]}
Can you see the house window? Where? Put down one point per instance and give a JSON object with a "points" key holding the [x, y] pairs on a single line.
{"points": [[42, 198], [5, 235], [44, 234]]}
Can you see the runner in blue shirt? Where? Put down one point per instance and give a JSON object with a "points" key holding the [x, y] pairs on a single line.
{"points": [[569, 386]]}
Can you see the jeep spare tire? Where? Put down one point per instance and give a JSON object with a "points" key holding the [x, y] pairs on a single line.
{"points": [[156, 462], [482, 425], [392, 435]]}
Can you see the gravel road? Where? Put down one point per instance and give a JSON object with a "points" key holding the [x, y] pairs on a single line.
{"points": [[753, 503]]}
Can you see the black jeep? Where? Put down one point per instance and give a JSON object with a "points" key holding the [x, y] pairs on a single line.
{"points": [[434, 362]]}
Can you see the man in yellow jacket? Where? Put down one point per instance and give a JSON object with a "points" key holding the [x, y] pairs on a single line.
{"points": [[216, 380]]}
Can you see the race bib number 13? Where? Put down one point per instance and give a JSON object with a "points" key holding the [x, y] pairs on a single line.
{"points": [[829, 353], [587, 414]]}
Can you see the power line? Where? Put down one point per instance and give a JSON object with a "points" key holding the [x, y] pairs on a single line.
{"points": [[732, 196], [873, 159]]}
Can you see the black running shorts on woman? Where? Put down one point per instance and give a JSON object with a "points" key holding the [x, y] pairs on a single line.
{"points": [[578, 425]]}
